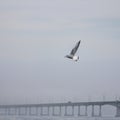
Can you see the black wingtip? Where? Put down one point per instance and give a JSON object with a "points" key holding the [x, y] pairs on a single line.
{"points": [[79, 41]]}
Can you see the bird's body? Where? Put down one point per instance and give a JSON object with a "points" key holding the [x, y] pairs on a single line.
{"points": [[72, 53]]}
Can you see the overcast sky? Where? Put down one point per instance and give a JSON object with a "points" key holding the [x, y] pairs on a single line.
{"points": [[35, 35]]}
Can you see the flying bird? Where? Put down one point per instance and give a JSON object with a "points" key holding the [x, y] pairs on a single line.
{"points": [[73, 51]]}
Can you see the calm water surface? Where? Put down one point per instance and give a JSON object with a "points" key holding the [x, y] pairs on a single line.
{"points": [[54, 118]]}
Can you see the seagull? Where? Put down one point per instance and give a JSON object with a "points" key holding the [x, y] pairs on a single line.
{"points": [[72, 53]]}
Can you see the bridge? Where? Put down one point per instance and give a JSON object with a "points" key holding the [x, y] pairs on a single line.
{"points": [[59, 109]]}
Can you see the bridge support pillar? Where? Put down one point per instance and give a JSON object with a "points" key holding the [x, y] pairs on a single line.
{"points": [[41, 111], [100, 111], [6, 111], [79, 110], [60, 113], [92, 110], [86, 110], [30, 113], [53, 111], [118, 111], [15, 111], [72, 110], [65, 110]]}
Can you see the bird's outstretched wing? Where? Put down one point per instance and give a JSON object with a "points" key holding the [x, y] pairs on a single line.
{"points": [[74, 50]]}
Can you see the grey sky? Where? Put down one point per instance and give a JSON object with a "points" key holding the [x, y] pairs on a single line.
{"points": [[35, 36]]}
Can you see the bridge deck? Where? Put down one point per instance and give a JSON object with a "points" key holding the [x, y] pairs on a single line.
{"points": [[114, 103]]}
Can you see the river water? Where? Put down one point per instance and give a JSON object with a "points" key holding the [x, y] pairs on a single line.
{"points": [[55, 118]]}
